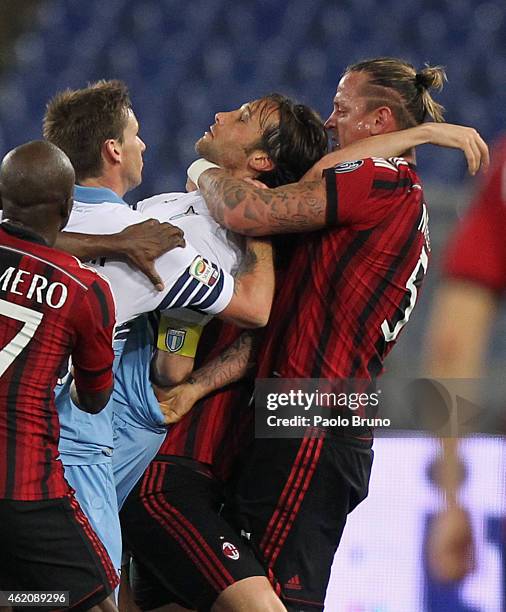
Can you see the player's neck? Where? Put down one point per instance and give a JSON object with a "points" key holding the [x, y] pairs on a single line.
{"points": [[105, 182], [34, 226], [241, 173]]}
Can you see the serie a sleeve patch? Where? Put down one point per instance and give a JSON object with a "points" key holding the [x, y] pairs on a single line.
{"points": [[203, 271]]}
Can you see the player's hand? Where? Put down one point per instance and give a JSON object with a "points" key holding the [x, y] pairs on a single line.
{"points": [[142, 243], [190, 186], [196, 168], [451, 553], [176, 402], [467, 139]]}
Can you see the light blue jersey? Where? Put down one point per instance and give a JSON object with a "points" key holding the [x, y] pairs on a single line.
{"points": [[189, 280], [86, 440], [138, 421]]}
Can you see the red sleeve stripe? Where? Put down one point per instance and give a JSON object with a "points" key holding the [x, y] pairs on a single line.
{"points": [[391, 185]]}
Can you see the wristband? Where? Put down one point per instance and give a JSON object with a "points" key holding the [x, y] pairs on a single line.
{"points": [[197, 167], [178, 337]]}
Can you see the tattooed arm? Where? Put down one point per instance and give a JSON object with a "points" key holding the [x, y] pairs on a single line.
{"points": [[232, 365], [301, 207], [246, 209]]}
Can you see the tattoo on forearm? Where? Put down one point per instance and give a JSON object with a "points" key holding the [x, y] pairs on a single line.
{"points": [[233, 364], [296, 207]]}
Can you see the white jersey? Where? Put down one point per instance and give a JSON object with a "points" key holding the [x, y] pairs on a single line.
{"points": [[189, 212], [191, 276]]}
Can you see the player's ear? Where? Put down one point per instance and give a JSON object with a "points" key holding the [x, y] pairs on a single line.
{"points": [[65, 210], [259, 161], [382, 121], [111, 151]]}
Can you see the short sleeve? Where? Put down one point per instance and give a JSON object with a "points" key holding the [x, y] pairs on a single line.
{"points": [[202, 285], [93, 356], [362, 193]]}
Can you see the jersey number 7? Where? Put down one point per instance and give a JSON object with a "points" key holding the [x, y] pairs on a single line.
{"points": [[31, 320]]}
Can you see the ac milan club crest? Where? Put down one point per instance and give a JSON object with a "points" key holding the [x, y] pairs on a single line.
{"points": [[230, 551]]}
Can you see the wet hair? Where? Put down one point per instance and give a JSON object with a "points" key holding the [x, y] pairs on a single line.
{"points": [[294, 143], [79, 121], [397, 84]]}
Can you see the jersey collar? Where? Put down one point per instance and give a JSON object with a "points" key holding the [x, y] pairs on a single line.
{"points": [[24, 233], [96, 195]]}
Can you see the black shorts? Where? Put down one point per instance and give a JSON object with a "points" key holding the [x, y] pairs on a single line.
{"points": [[50, 546], [183, 550], [291, 501]]}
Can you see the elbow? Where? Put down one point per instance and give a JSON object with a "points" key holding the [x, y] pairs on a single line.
{"points": [[92, 407], [251, 319], [93, 403], [262, 312], [259, 317], [169, 370], [100, 401]]}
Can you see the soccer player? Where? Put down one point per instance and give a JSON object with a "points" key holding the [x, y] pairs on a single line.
{"points": [[97, 128], [348, 292], [199, 452], [51, 307], [277, 140], [465, 307]]}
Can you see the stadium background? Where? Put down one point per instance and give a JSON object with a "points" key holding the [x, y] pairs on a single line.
{"points": [[184, 61]]}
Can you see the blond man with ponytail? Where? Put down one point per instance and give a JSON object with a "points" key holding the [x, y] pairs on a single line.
{"points": [[387, 78]]}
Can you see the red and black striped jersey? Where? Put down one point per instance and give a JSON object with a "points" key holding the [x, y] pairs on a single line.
{"points": [[51, 307], [221, 424], [350, 289], [483, 228]]}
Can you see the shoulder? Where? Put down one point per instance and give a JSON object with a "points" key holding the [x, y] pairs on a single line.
{"points": [[394, 173], [97, 291], [103, 218], [170, 206], [392, 164], [159, 200], [86, 276]]}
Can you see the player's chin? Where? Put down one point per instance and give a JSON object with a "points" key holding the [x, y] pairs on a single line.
{"points": [[201, 145], [205, 149], [135, 180]]}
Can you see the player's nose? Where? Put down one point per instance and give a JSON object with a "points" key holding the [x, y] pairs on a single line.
{"points": [[330, 124], [219, 117]]}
